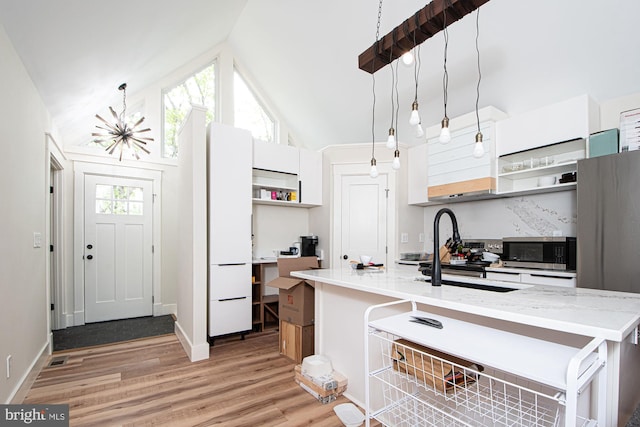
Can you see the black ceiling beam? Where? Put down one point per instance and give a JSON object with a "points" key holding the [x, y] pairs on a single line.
{"points": [[421, 26]]}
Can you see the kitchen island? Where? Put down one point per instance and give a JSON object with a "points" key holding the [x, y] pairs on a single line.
{"points": [[571, 316]]}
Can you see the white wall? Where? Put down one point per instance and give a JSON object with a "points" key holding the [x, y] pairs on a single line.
{"points": [[23, 178], [277, 228]]}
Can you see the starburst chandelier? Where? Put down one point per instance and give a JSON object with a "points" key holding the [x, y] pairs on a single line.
{"points": [[120, 134]]}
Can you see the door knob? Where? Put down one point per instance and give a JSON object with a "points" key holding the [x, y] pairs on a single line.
{"points": [[89, 246], [345, 256], [89, 256]]}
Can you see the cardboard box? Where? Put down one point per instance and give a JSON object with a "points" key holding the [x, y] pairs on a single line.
{"points": [[440, 371], [325, 389], [296, 296]]}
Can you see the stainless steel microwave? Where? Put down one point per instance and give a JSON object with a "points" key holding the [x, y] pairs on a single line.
{"points": [[551, 253]]}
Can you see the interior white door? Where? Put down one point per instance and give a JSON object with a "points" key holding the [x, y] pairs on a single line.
{"points": [[364, 218], [118, 253]]}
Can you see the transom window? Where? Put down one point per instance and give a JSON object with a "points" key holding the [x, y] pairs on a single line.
{"points": [[197, 89], [119, 200], [249, 113]]}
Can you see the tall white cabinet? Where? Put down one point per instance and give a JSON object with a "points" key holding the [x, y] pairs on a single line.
{"points": [[229, 176]]}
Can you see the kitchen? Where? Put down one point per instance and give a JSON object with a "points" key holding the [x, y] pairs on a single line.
{"points": [[519, 215]]}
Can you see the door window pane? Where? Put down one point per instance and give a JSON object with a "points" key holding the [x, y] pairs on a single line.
{"points": [[119, 200]]}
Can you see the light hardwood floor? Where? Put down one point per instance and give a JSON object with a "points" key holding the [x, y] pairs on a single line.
{"points": [[152, 382]]}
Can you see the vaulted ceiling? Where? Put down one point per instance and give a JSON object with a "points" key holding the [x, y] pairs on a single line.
{"points": [[303, 55]]}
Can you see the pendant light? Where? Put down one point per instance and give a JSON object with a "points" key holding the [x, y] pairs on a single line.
{"points": [[120, 134], [396, 154], [373, 173], [445, 133], [478, 149], [391, 141]]}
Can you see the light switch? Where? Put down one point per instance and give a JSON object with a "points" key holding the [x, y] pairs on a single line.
{"points": [[404, 238], [421, 237], [37, 240]]}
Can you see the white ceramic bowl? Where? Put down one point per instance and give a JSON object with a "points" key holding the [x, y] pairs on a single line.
{"points": [[365, 259], [316, 366], [545, 181]]}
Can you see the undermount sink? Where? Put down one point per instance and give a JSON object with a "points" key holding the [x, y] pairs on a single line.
{"points": [[471, 285]]}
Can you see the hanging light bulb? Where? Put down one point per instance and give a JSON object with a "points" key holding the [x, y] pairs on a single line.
{"points": [[419, 132], [374, 170], [478, 150], [407, 58], [391, 141], [445, 133], [396, 160], [414, 119]]}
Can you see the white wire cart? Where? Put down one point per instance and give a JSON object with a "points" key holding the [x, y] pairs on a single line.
{"points": [[471, 375]]}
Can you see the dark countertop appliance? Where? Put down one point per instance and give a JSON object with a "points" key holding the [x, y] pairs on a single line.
{"points": [[308, 245], [550, 253]]}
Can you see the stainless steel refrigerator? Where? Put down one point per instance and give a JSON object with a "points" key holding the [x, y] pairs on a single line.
{"points": [[609, 222]]}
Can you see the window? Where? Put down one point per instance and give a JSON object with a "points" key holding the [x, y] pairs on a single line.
{"points": [[118, 200], [249, 113], [198, 89]]}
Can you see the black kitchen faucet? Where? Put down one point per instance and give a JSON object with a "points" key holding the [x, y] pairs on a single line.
{"points": [[436, 271]]}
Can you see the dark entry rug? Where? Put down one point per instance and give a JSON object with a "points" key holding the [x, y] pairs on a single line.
{"points": [[93, 334]]}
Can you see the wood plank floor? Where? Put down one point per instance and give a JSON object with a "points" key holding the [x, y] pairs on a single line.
{"points": [[152, 382]]}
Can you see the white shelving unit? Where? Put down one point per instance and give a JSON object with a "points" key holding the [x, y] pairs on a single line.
{"points": [[519, 173], [416, 375], [281, 183]]}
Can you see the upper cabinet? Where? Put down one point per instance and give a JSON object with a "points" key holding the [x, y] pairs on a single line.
{"points": [[567, 120], [286, 176], [276, 157], [417, 173]]}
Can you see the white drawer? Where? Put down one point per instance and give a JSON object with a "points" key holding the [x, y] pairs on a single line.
{"points": [[544, 279], [229, 316], [503, 276], [229, 281]]}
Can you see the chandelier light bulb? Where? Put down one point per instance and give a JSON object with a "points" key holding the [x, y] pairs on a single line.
{"points": [[396, 160], [445, 133], [374, 170], [407, 58], [419, 131], [391, 141], [478, 150]]}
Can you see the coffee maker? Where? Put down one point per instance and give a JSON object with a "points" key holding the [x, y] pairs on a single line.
{"points": [[308, 244]]}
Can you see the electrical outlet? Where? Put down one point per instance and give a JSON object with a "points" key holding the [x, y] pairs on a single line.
{"points": [[421, 237], [404, 238], [37, 240], [9, 366]]}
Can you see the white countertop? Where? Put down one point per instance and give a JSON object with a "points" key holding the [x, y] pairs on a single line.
{"points": [[595, 313]]}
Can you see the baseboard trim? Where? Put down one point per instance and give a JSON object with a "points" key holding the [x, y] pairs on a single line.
{"points": [[164, 309], [195, 353], [29, 378]]}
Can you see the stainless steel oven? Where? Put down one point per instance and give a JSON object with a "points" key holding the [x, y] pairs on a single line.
{"points": [[551, 253]]}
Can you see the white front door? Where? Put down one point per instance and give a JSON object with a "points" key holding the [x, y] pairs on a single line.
{"points": [[118, 251], [363, 218]]}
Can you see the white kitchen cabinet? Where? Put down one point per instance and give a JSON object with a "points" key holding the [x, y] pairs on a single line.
{"points": [[452, 170], [526, 171], [418, 179], [574, 118], [276, 157], [310, 177], [471, 375]]}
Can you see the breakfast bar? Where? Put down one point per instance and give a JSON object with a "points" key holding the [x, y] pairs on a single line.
{"points": [[567, 316]]}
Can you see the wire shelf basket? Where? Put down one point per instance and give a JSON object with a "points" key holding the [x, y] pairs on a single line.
{"points": [[423, 387]]}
